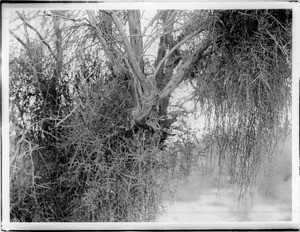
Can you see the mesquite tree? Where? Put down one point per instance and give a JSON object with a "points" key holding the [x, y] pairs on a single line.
{"points": [[90, 96]]}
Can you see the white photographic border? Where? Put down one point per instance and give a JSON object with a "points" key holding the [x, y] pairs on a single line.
{"points": [[7, 225]]}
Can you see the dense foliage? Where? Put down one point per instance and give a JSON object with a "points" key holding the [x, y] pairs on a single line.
{"points": [[91, 128], [245, 89]]}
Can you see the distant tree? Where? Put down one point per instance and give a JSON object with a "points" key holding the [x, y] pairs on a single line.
{"points": [[90, 95]]}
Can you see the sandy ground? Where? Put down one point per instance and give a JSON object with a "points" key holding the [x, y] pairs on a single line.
{"points": [[209, 206], [272, 200]]}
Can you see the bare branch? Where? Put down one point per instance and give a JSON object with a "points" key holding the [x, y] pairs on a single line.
{"points": [[99, 34], [150, 24], [113, 54], [36, 31], [177, 78], [188, 37], [62, 120], [135, 66], [18, 38], [136, 36]]}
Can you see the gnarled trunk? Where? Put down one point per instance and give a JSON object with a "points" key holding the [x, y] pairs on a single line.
{"points": [[150, 94]]}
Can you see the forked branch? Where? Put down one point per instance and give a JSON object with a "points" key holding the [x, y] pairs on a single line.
{"points": [[177, 78], [188, 37], [135, 66], [38, 34]]}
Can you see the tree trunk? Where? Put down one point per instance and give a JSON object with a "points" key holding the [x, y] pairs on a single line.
{"points": [[136, 41], [165, 72], [149, 93]]}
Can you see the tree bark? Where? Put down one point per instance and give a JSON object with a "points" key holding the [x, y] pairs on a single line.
{"points": [[165, 62], [136, 41]]}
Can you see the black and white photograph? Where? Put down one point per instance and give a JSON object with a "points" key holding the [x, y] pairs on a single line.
{"points": [[149, 114]]}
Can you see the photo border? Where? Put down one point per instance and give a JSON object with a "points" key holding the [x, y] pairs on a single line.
{"points": [[7, 225]]}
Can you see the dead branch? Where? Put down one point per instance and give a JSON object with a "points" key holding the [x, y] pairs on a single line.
{"points": [[38, 34]]}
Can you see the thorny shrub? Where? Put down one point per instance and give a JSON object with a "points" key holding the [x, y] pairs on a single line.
{"points": [[99, 168]]}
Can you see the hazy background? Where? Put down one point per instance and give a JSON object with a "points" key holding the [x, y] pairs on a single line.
{"points": [[206, 200]]}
